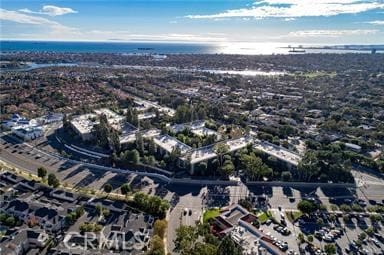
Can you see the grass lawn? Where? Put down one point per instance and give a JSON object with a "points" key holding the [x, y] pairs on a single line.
{"points": [[293, 215], [263, 217], [211, 213]]}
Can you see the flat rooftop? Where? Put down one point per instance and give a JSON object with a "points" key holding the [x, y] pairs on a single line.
{"points": [[278, 152], [131, 137], [146, 115], [203, 131], [145, 104], [239, 143], [114, 119], [202, 154], [169, 143], [84, 123], [208, 152], [196, 127]]}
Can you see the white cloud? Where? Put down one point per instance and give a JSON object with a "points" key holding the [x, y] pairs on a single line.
{"points": [[22, 18], [50, 10], [297, 8], [331, 33], [376, 22], [58, 31]]}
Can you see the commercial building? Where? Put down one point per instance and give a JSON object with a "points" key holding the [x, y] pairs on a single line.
{"points": [[15, 120], [206, 153], [284, 155], [146, 115], [115, 120], [236, 222], [28, 132], [166, 144], [83, 125], [144, 105], [131, 137]]}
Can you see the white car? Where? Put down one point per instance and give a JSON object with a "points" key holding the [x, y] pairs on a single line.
{"points": [[375, 241], [327, 238]]}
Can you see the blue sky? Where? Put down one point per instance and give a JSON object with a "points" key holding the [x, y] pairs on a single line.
{"points": [[218, 21]]}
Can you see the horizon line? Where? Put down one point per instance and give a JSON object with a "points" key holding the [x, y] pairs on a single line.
{"points": [[185, 42]]}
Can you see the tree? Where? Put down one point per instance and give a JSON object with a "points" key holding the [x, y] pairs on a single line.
{"points": [[114, 141], [370, 231], [135, 156], [185, 239], [307, 207], [151, 204], [132, 116], [221, 149], [308, 166], [108, 188], [160, 227], [183, 114], [157, 246], [151, 147], [345, 208], [286, 176], [202, 167], [66, 122], [53, 181], [175, 154], [90, 227], [125, 189], [300, 236], [41, 172], [310, 238], [362, 236], [132, 156], [255, 169], [151, 160], [102, 130], [227, 168], [101, 211], [10, 221], [330, 249], [140, 143], [228, 246]]}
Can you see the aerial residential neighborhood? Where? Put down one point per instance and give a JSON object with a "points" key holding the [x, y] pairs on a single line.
{"points": [[250, 175], [189, 127]]}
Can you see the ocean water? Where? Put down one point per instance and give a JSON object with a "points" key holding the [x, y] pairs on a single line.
{"points": [[172, 48], [106, 47]]}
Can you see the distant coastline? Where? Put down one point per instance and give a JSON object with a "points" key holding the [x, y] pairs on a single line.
{"points": [[119, 47]]}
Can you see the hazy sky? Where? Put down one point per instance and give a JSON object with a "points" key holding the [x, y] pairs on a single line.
{"points": [[302, 21]]}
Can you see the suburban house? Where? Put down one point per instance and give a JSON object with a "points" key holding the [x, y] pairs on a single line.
{"points": [[23, 241]]}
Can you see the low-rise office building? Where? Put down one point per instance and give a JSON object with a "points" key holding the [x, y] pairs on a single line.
{"points": [[83, 125], [14, 121], [28, 132], [284, 155]]}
